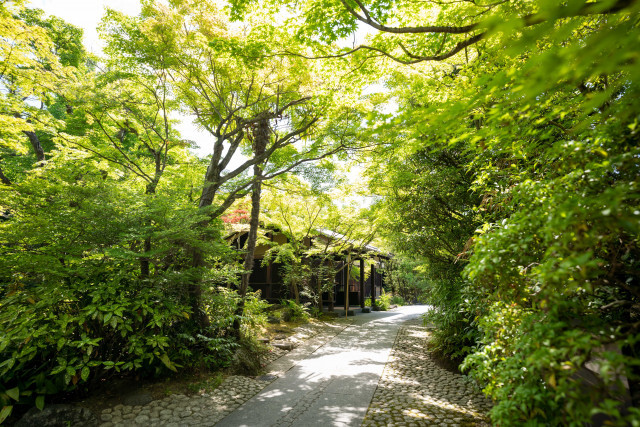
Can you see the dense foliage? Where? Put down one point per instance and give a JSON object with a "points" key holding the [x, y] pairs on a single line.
{"points": [[501, 142], [523, 206]]}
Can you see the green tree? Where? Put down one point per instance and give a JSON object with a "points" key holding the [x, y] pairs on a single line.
{"points": [[31, 69], [544, 131], [228, 96]]}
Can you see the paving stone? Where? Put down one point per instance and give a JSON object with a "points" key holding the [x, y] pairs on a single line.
{"points": [[415, 390]]}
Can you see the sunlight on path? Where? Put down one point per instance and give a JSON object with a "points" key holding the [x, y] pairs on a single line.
{"points": [[415, 391], [334, 385]]}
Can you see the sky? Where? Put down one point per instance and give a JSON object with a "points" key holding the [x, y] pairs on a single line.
{"points": [[86, 14]]}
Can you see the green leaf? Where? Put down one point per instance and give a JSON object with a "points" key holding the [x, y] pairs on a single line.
{"points": [[5, 412], [40, 402], [57, 370], [165, 359], [85, 373], [14, 393], [107, 317]]}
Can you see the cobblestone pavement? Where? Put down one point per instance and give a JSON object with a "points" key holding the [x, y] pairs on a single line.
{"points": [[207, 409], [335, 383], [415, 391], [180, 410]]}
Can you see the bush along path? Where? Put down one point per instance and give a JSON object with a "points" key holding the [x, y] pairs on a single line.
{"points": [[416, 390]]}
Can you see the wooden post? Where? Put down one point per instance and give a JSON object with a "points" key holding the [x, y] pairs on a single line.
{"points": [[361, 282], [346, 286], [268, 290], [331, 289], [373, 286]]}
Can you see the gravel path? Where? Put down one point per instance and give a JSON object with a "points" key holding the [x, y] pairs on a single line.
{"points": [[415, 391]]}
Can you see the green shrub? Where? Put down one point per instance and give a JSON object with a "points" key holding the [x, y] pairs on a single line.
{"points": [[248, 357], [255, 314], [56, 337], [455, 335], [295, 312], [383, 302], [397, 300]]}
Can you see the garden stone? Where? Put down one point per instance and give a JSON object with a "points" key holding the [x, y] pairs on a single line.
{"points": [[284, 346]]}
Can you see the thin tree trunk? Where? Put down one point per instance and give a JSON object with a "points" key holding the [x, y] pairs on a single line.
{"points": [[144, 262], [261, 138], [146, 247], [35, 143], [194, 288], [296, 290]]}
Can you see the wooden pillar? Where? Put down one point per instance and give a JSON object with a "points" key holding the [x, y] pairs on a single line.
{"points": [[361, 282], [345, 282], [331, 289], [373, 286], [347, 271], [268, 290]]}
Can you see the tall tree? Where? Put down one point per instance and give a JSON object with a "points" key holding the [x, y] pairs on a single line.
{"points": [[227, 95]]}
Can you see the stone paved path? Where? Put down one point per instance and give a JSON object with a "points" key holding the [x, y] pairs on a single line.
{"points": [[334, 385], [207, 409], [415, 391], [337, 374]]}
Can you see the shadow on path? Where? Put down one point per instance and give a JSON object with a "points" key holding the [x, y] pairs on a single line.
{"points": [[334, 385]]}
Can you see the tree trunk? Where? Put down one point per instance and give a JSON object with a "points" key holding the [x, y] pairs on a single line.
{"points": [[144, 262], [261, 139], [254, 223], [35, 143], [194, 288], [296, 290], [146, 247], [4, 179]]}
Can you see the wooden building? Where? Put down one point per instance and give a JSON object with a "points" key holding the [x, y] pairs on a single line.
{"points": [[348, 258]]}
